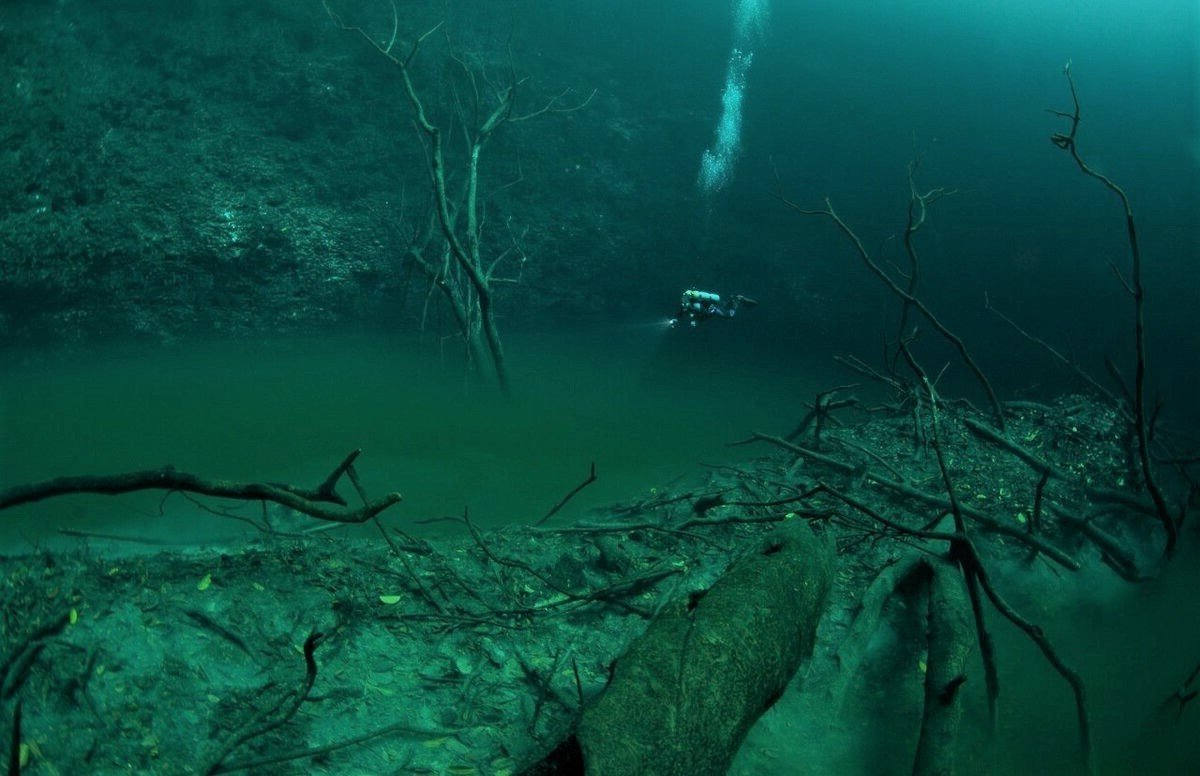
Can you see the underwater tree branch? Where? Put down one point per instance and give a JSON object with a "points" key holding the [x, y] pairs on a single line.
{"points": [[803, 452], [1112, 552], [612, 595], [918, 211], [466, 252], [472, 299], [971, 572], [962, 550], [907, 296], [1067, 142], [1034, 541], [1038, 637], [275, 716], [1185, 693], [821, 411], [1035, 463], [948, 640], [1054, 353], [20, 660], [322, 502], [563, 501]]}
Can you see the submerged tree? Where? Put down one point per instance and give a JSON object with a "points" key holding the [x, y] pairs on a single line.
{"points": [[449, 243]]}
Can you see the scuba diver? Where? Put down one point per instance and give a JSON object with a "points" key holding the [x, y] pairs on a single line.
{"points": [[696, 306]]}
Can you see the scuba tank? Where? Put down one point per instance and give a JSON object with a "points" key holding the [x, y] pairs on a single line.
{"points": [[693, 296]]}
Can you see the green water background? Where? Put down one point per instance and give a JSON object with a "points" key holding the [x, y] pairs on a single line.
{"points": [[650, 407], [627, 399]]}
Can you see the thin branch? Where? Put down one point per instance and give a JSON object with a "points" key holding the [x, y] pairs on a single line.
{"points": [[553, 106], [803, 452], [1038, 636], [908, 298], [1067, 142], [322, 502], [554, 509], [1055, 354], [275, 716]]}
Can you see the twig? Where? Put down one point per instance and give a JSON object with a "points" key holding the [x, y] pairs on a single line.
{"points": [[554, 509], [1112, 552], [1035, 517], [599, 596], [990, 523], [870, 454], [1057, 356], [146, 540], [803, 452], [15, 668], [260, 725], [822, 407], [209, 624], [1185, 693]]}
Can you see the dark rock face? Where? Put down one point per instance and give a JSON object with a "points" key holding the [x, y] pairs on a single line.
{"points": [[236, 169]]}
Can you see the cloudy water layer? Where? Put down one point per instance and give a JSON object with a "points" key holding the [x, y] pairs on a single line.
{"points": [[646, 405]]}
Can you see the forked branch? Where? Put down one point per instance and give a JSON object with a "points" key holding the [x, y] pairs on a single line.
{"points": [[322, 502], [906, 295]]}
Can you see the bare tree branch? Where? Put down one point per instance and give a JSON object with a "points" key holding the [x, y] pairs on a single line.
{"points": [[322, 502]]}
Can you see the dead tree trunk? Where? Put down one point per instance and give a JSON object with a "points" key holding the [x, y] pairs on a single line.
{"points": [[684, 695]]}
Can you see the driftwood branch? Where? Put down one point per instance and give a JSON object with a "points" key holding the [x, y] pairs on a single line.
{"points": [[322, 502], [996, 438], [1185, 693], [969, 558], [821, 412], [1054, 353], [18, 663]]}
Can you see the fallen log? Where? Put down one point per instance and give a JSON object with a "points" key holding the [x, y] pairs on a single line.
{"points": [[682, 698]]}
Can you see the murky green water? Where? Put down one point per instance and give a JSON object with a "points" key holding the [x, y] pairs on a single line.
{"points": [[645, 405]]}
